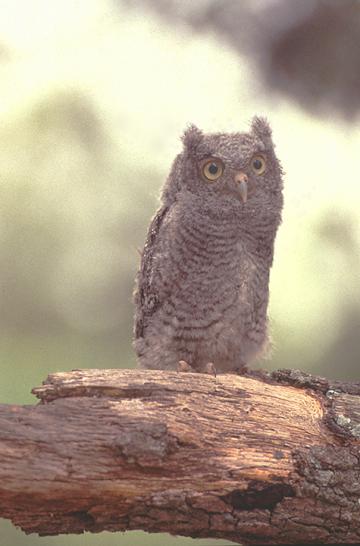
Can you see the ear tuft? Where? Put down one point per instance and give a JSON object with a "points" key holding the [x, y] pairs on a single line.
{"points": [[192, 137], [261, 128]]}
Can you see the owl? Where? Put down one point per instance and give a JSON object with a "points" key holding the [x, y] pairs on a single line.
{"points": [[202, 288]]}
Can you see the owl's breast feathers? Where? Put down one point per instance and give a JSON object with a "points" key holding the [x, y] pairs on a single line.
{"points": [[197, 271]]}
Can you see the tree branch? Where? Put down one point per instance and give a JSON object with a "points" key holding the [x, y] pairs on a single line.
{"points": [[254, 460]]}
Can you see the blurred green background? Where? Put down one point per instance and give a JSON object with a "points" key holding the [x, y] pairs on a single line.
{"points": [[94, 96]]}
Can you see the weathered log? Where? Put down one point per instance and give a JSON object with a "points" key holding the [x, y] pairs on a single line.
{"points": [[253, 460]]}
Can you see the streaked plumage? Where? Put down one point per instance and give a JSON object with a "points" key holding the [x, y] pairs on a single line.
{"points": [[202, 287]]}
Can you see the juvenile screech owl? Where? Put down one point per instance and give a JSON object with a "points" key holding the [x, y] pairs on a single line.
{"points": [[203, 284]]}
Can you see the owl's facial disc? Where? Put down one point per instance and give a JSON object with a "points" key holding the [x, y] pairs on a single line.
{"points": [[236, 184]]}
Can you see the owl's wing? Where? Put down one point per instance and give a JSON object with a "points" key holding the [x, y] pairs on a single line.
{"points": [[146, 296]]}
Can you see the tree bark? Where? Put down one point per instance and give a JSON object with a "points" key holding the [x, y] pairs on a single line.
{"points": [[267, 459]]}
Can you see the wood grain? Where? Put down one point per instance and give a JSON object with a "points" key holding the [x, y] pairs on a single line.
{"points": [[234, 457]]}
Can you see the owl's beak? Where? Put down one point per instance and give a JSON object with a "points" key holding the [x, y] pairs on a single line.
{"points": [[242, 180]]}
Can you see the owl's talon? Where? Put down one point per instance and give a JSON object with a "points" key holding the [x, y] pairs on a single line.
{"points": [[183, 366], [240, 369], [210, 369]]}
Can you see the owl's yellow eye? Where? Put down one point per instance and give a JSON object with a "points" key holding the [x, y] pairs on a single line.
{"points": [[258, 164], [212, 169]]}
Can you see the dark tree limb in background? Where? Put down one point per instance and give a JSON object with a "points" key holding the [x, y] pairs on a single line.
{"points": [[272, 459], [289, 44]]}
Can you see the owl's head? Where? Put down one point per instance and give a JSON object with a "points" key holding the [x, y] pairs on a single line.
{"points": [[229, 173]]}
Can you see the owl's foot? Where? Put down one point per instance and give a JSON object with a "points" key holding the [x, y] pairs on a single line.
{"points": [[210, 369], [264, 375], [183, 366], [240, 369]]}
